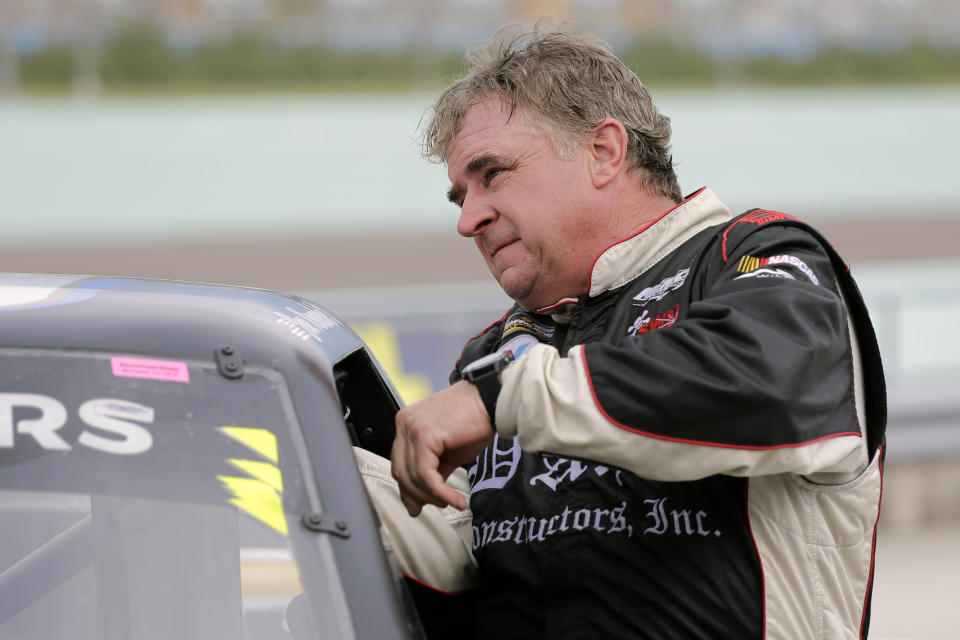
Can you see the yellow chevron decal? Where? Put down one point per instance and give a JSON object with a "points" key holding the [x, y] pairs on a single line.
{"points": [[262, 471], [260, 440], [258, 499], [261, 495]]}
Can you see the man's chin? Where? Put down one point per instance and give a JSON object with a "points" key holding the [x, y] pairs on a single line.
{"points": [[518, 289]]}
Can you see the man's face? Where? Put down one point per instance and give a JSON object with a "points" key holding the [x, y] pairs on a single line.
{"points": [[528, 211]]}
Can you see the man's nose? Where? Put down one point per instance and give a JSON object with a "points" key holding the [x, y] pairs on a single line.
{"points": [[475, 214]]}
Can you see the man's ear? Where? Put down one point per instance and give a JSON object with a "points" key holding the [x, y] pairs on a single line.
{"points": [[607, 149]]}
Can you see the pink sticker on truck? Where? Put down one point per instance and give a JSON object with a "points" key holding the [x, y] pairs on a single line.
{"points": [[150, 369]]}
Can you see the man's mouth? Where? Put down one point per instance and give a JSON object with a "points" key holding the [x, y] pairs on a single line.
{"points": [[500, 247]]}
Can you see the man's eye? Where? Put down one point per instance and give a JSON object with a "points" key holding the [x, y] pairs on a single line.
{"points": [[491, 174]]}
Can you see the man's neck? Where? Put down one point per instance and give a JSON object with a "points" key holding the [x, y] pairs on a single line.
{"points": [[634, 209]]}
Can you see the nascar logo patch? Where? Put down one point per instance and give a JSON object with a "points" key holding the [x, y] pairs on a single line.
{"points": [[750, 264]]}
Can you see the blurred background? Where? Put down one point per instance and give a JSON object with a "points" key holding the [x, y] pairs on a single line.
{"points": [[273, 143]]}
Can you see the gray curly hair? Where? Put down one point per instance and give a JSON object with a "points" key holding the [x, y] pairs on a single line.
{"points": [[565, 84]]}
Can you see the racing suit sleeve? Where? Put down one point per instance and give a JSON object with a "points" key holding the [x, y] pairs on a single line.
{"points": [[757, 379], [435, 548]]}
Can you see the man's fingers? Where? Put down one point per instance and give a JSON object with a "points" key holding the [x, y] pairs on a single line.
{"points": [[414, 493], [426, 483], [442, 494], [450, 495], [439, 495], [415, 465], [398, 469], [412, 506], [434, 437]]}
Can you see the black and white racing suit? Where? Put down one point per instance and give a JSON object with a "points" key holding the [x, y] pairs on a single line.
{"points": [[691, 450]]}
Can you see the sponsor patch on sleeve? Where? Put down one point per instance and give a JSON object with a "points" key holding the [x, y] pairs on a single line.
{"points": [[520, 322], [753, 267]]}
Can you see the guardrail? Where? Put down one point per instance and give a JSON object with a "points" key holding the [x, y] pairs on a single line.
{"points": [[915, 308]]}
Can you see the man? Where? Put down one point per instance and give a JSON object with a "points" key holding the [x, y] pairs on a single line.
{"points": [[677, 430]]}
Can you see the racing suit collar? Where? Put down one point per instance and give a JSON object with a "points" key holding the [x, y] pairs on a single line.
{"points": [[561, 310], [623, 261], [629, 258]]}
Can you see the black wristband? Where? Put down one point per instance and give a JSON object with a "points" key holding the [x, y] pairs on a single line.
{"points": [[484, 374], [489, 388]]}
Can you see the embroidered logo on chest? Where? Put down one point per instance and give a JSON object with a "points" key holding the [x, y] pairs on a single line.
{"points": [[661, 289], [645, 323]]}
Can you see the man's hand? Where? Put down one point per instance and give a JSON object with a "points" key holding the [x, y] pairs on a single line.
{"points": [[434, 437]]}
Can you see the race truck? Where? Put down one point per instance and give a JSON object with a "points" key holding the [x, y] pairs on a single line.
{"points": [[176, 462]]}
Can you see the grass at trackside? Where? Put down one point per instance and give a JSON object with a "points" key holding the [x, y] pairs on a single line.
{"points": [[138, 61], [177, 90]]}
